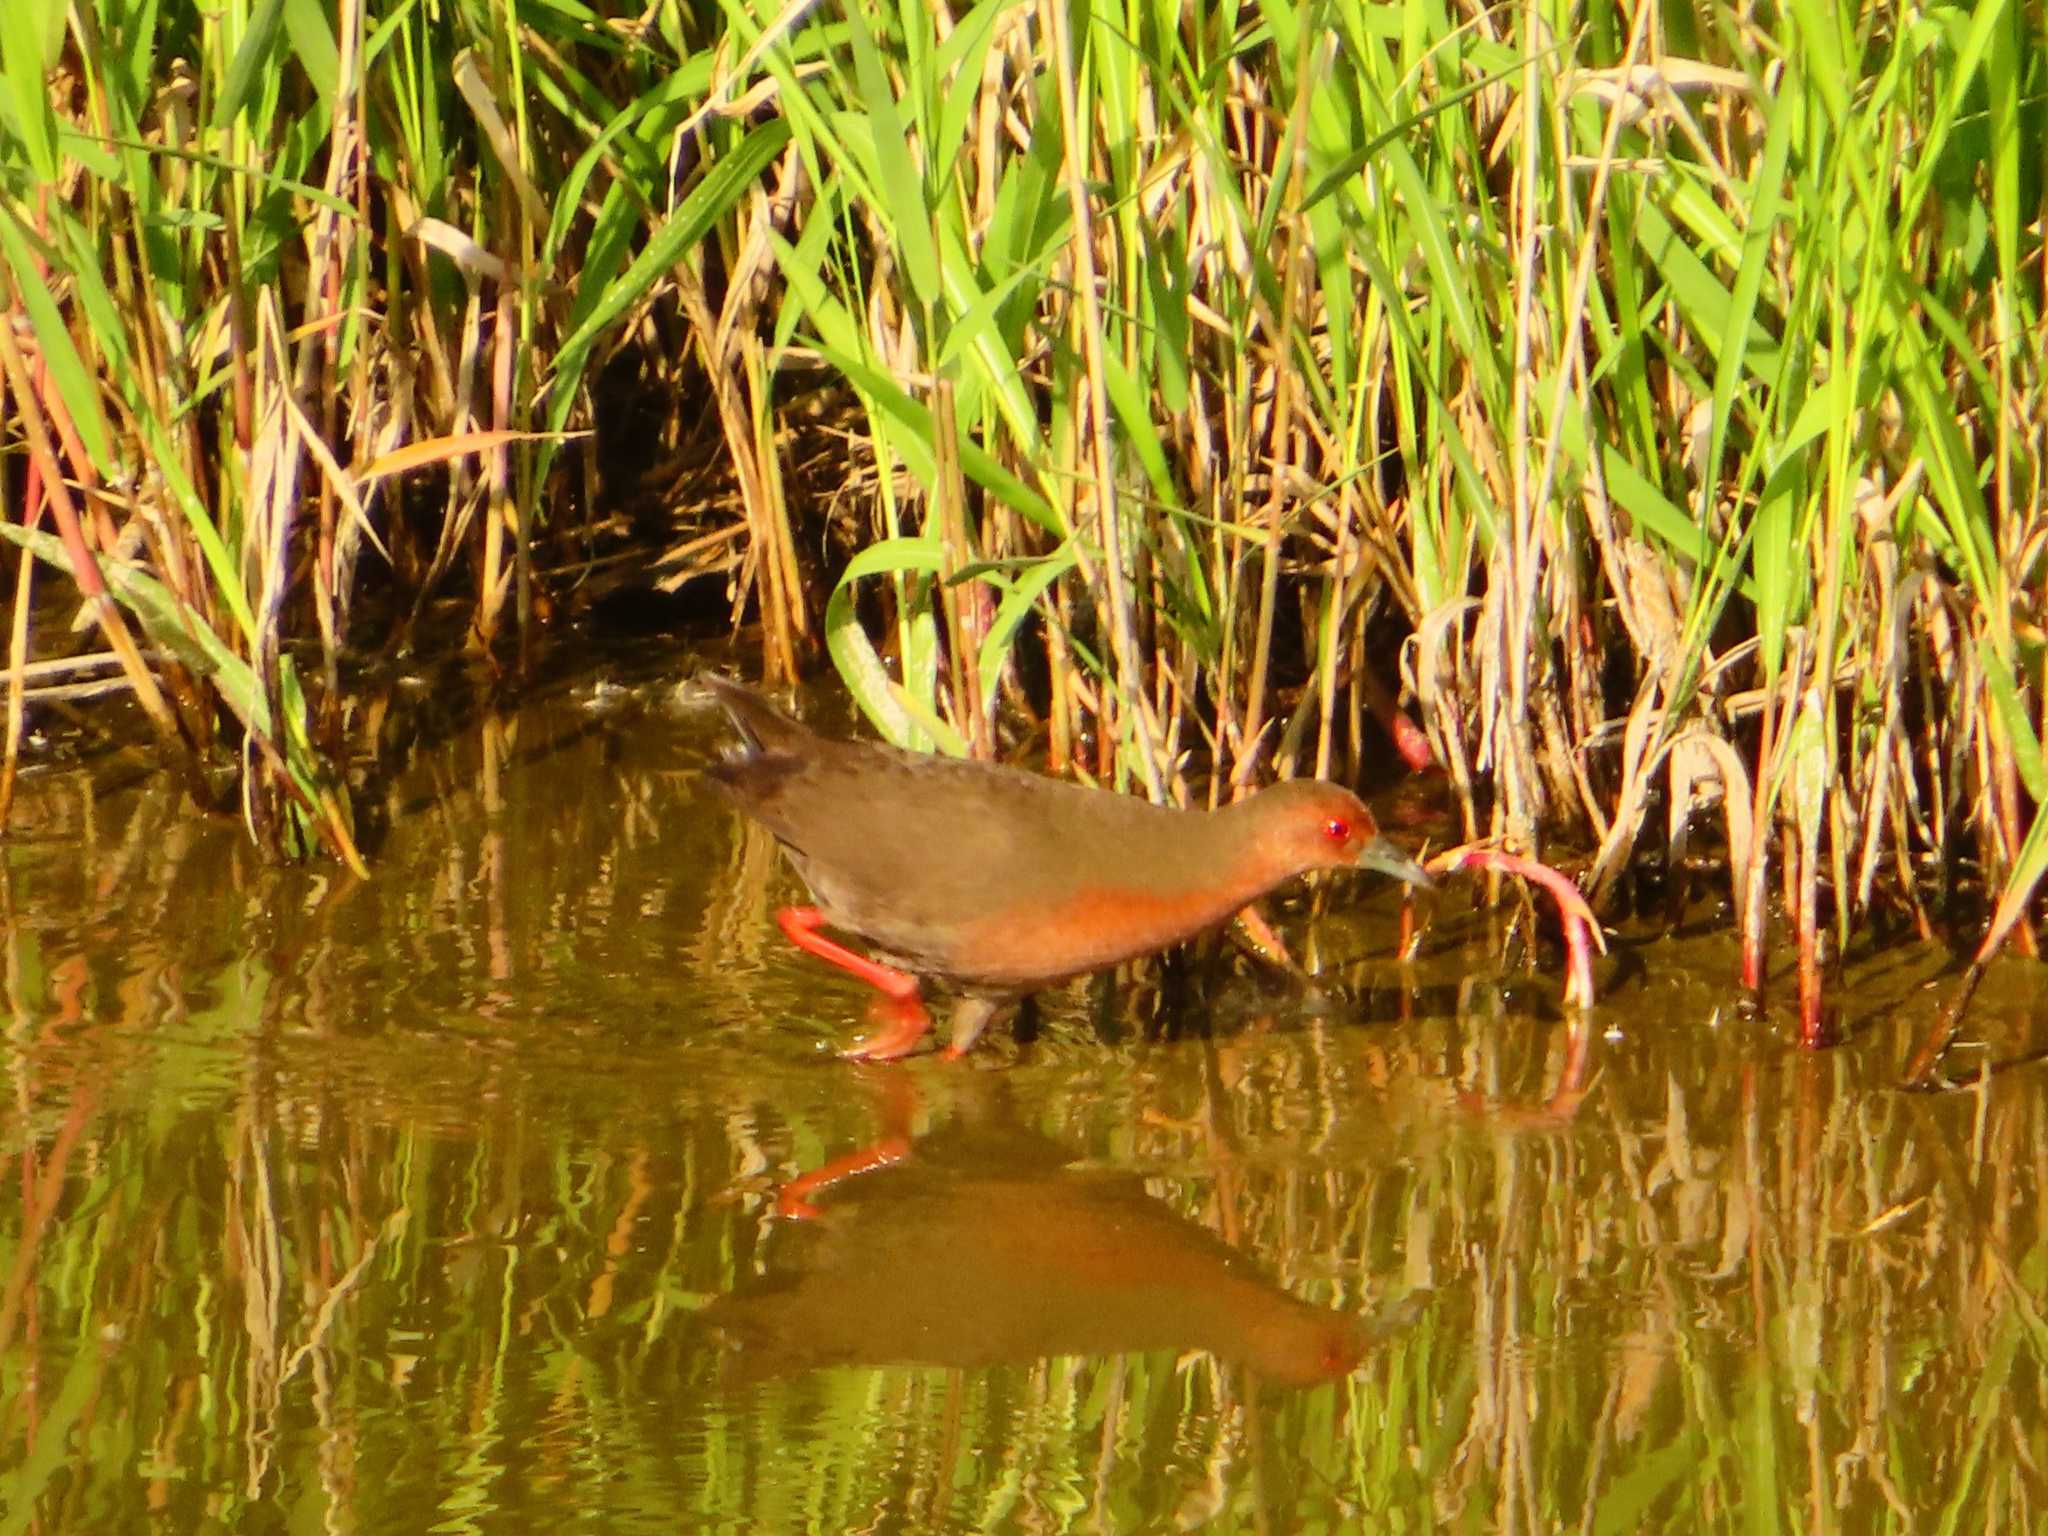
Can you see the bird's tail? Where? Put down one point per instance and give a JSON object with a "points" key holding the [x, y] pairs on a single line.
{"points": [[762, 726]]}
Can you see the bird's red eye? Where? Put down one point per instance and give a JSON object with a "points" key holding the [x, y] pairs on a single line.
{"points": [[1337, 830]]}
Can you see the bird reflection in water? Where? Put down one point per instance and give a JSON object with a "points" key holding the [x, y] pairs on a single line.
{"points": [[983, 1244]]}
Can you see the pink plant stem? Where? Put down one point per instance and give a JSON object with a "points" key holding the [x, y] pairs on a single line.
{"points": [[1810, 1035], [1408, 737], [1581, 929]]}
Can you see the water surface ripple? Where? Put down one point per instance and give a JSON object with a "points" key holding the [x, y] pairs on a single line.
{"points": [[448, 1201]]}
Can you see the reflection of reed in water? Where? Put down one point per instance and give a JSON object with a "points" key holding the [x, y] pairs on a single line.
{"points": [[294, 1202], [984, 1246]]}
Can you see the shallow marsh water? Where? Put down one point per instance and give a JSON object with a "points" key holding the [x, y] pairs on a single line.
{"points": [[448, 1201]]}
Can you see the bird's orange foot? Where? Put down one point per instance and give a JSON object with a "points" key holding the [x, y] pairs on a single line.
{"points": [[901, 1022]]}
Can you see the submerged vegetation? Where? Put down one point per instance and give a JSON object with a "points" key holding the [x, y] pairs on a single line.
{"points": [[1646, 404]]}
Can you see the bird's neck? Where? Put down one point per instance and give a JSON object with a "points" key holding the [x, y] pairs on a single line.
{"points": [[1241, 863]]}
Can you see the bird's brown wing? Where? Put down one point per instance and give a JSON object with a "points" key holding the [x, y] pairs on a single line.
{"points": [[927, 857]]}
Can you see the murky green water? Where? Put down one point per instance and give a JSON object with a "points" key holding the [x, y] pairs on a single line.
{"points": [[448, 1202]]}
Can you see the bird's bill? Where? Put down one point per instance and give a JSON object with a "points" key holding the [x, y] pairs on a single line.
{"points": [[1384, 858]]}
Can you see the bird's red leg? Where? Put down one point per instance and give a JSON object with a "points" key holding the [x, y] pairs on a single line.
{"points": [[899, 1011], [802, 925], [899, 1109], [793, 1199]]}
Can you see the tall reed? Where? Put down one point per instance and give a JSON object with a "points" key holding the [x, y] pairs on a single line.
{"points": [[1670, 384]]}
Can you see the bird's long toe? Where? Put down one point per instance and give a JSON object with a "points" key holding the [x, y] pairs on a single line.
{"points": [[901, 1023]]}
